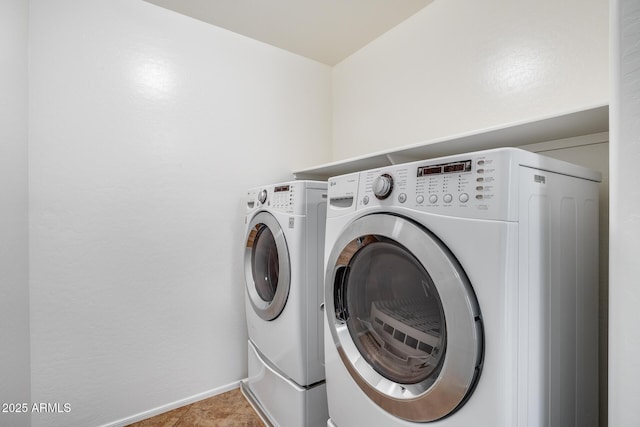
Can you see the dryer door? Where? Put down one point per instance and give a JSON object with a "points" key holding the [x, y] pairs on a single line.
{"points": [[403, 317], [266, 266]]}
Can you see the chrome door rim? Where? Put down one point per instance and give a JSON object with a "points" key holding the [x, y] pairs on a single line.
{"points": [[462, 364], [268, 310]]}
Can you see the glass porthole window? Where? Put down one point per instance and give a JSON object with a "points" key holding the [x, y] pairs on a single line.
{"points": [[395, 314], [264, 263], [267, 266]]}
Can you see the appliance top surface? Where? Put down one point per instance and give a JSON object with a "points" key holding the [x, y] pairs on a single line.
{"points": [[302, 183], [514, 156]]}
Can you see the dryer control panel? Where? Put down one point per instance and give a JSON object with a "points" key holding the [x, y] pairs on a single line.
{"points": [[474, 185], [483, 184]]}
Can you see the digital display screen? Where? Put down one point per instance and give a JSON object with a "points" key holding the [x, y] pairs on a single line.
{"points": [[458, 167], [281, 188], [453, 167], [432, 170]]}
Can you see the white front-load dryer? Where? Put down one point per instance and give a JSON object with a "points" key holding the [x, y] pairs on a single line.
{"points": [[462, 291], [283, 260]]}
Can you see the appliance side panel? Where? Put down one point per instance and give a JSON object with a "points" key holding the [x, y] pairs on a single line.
{"points": [[316, 220], [560, 216], [322, 220], [587, 310], [533, 351], [562, 309]]}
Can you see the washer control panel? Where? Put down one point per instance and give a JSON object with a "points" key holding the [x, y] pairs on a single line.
{"points": [[282, 196], [288, 197], [472, 185], [279, 197]]}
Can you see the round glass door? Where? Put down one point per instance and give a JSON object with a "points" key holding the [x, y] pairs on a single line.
{"points": [[395, 315], [404, 318], [267, 272]]}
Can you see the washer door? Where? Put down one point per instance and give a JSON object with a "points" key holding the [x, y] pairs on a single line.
{"points": [[266, 266], [403, 317]]}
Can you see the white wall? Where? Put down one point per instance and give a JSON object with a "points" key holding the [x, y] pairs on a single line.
{"points": [[624, 343], [466, 65], [146, 129], [14, 274]]}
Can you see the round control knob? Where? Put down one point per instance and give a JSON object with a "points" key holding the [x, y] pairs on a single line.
{"points": [[433, 198], [420, 199], [402, 198], [262, 196], [464, 197], [365, 200], [382, 186], [447, 198]]}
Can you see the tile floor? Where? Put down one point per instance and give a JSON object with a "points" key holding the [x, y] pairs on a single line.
{"points": [[228, 409]]}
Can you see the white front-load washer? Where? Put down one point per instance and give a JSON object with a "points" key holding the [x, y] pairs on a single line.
{"points": [[283, 260], [463, 291]]}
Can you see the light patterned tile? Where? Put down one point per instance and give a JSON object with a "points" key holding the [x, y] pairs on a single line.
{"points": [[228, 409], [225, 410], [168, 419]]}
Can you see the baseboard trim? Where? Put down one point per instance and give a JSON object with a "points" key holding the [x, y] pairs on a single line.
{"points": [[173, 405]]}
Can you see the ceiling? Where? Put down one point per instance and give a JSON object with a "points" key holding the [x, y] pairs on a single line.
{"points": [[324, 30]]}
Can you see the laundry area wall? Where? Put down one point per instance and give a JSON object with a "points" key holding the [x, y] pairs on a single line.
{"points": [[462, 66], [14, 264], [145, 129]]}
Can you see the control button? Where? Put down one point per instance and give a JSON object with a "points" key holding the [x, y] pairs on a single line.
{"points": [[464, 197], [402, 198], [479, 188], [382, 186], [433, 198], [481, 162], [262, 196], [447, 198], [479, 196], [480, 171], [420, 199], [365, 200], [480, 179]]}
